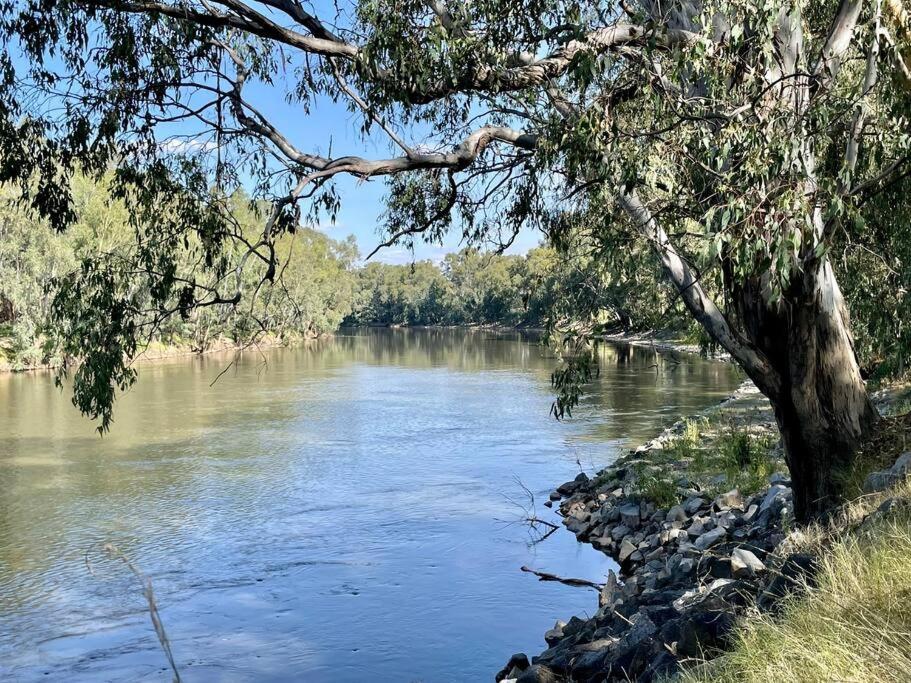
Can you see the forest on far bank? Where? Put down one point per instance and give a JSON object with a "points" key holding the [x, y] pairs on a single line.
{"points": [[322, 284]]}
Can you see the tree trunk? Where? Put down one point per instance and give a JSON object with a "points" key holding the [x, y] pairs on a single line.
{"points": [[822, 406]]}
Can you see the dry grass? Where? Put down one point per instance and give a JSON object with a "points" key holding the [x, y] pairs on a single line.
{"points": [[854, 625], [115, 553]]}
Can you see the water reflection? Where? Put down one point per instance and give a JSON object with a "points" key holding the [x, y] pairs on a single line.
{"points": [[332, 512]]}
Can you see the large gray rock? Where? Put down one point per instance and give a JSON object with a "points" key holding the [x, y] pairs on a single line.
{"points": [[775, 492], [514, 668], [610, 592], [883, 479], [619, 531], [554, 634], [697, 528], [693, 504], [676, 514], [629, 515], [744, 563], [710, 538], [538, 673], [627, 548], [902, 466], [877, 481]]}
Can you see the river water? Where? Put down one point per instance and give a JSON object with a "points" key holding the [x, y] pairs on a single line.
{"points": [[344, 511]]}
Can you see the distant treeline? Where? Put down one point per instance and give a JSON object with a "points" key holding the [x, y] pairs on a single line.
{"points": [[320, 286], [467, 288]]}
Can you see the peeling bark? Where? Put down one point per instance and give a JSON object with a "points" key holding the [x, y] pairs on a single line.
{"points": [[822, 408]]}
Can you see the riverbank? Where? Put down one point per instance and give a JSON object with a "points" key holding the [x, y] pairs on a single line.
{"points": [[159, 351], [664, 341], [700, 522]]}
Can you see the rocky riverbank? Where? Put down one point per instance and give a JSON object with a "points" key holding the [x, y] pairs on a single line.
{"points": [[699, 521]]}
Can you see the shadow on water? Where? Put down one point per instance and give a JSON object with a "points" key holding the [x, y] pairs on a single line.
{"points": [[327, 513]]}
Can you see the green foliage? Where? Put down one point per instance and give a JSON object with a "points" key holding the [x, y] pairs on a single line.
{"points": [[75, 298], [719, 116], [686, 446], [661, 492], [745, 459]]}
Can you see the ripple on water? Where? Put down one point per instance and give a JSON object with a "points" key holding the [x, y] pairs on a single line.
{"points": [[341, 514]]}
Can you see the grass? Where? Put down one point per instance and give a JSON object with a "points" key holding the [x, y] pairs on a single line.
{"points": [[686, 446], [853, 625], [892, 437], [742, 459], [661, 492]]}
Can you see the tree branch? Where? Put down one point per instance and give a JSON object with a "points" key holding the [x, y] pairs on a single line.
{"points": [[252, 22], [697, 301], [838, 41]]}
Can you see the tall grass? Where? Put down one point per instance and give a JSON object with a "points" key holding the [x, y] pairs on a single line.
{"points": [[853, 625]]}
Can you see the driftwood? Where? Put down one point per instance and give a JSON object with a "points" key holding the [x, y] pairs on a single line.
{"points": [[581, 583]]}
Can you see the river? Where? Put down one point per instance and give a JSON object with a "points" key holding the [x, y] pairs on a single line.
{"points": [[343, 511]]}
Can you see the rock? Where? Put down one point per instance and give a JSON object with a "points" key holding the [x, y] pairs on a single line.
{"points": [[627, 548], [686, 566], [744, 563], [731, 499], [641, 629], [702, 631], [655, 554], [592, 658], [692, 504], [891, 505], [548, 503], [538, 673], [567, 488], [697, 528], [516, 664], [555, 495], [718, 583], [676, 514], [610, 592], [750, 513], [775, 492], [726, 519], [877, 481], [880, 481], [779, 478], [620, 531], [797, 569], [720, 567], [629, 515], [710, 538], [902, 466], [554, 634]]}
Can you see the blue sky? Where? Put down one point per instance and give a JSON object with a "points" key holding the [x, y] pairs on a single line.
{"points": [[362, 201]]}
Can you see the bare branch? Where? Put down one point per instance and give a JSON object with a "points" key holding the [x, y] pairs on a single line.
{"points": [[251, 22]]}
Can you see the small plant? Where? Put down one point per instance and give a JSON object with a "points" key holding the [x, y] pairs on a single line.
{"points": [[661, 492], [686, 446], [745, 459], [900, 407]]}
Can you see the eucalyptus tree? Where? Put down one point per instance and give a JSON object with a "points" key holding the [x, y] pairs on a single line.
{"points": [[734, 138]]}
